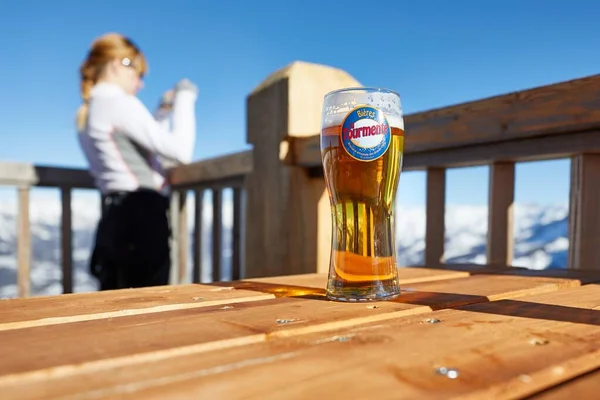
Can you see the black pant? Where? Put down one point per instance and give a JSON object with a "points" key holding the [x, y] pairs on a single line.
{"points": [[132, 241]]}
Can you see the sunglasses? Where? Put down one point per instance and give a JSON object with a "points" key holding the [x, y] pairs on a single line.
{"points": [[127, 62]]}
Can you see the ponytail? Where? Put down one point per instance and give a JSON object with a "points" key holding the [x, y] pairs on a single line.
{"points": [[86, 87]]}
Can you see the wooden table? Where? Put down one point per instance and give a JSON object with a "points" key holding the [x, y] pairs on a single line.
{"points": [[464, 332]]}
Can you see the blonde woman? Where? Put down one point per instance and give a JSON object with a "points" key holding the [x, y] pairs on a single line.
{"points": [[126, 147]]}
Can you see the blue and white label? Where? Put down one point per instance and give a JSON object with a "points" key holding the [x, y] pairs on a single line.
{"points": [[366, 133]]}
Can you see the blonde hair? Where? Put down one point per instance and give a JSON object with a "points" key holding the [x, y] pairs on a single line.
{"points": [[104, 49]]}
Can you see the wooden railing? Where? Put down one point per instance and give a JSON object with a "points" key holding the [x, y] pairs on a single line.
{"points": [[25, 176], [281, 209], [214, 175]]}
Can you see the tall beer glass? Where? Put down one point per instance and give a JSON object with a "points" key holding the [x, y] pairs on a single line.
{"points": [[362, 144]]}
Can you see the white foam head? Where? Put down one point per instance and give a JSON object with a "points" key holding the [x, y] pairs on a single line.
{"points": [[339, 103]]}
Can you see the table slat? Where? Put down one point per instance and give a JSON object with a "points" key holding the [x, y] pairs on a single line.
{"points": [[50, 310], [480, 288], [406, 275], [583, 387], [584, 276], [191, 330]]}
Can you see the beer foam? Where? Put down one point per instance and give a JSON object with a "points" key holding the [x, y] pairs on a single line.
{"points": [[339, 104]]}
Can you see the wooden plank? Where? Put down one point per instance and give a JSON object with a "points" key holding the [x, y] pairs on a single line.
{"points": [[222, 327], [183, 242], [58, 176], [217, 230], [197, 251], [23, 243], [504, 349], [538, 148], [533, 149], [401, 359], [435, 215], [584, 213], [559, 108], [160, 335], [19, 174], [584, 277], [50, 310], [480, 288], [225, 183], [302, 284], [500, 241], [213, 169], [582, 387], [66, 240], [436, 290]]}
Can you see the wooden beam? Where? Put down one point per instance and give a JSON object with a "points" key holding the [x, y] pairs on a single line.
{"points": [[532, 149], [584, 213], [24, 174], [523, 123], [553, 109], [224, 183], [23, 244], [17, 174], [57, 177], [307, 151], [214, 169], [500, 242], [435, 216]]}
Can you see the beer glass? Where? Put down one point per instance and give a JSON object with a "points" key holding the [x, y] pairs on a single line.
{"points": [[362, 144]]}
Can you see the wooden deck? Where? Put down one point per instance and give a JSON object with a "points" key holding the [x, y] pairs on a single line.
{"points": [[459, 332]]}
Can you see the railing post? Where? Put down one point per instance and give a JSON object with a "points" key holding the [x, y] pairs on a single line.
{"points": [[288, 225], [435, 216], [174, 247], [584, 212], [23, 243], [236, 230], [66, 241], [217, 232], [500, 242], [183, 238], [197, 249]]}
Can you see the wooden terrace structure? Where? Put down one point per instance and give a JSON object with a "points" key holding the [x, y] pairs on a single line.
{"points": [[457, 331]]}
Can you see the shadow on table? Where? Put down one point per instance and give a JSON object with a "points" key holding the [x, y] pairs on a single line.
{"points": [[526, 309], [584, 276], [440, 301]]}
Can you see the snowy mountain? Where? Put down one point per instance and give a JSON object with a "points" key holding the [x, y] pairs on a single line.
{"points": [[540, 236]]}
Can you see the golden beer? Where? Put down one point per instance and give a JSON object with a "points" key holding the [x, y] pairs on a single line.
{"points": [[361, 149]]}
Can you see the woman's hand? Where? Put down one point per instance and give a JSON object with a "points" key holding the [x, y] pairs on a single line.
{"points": [[186, 84], [166, 100]]}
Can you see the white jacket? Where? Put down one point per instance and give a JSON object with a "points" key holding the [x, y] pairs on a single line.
{"points": [[125, 144]]}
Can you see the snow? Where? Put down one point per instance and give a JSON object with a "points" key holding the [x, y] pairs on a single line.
{"points": [[540, 238]]}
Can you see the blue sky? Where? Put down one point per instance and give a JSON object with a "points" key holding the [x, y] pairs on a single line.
{"points": [[433, 53]]}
